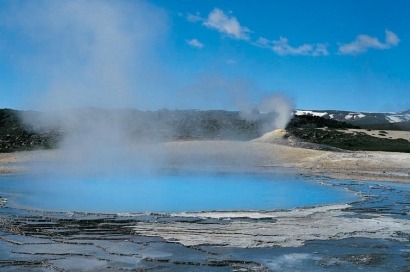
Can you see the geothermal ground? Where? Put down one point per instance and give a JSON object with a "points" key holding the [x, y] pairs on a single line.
{"points": [[260, 155], [371, 234]]}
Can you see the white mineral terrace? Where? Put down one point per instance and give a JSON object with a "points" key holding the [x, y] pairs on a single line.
{"points": [[286, 229]]}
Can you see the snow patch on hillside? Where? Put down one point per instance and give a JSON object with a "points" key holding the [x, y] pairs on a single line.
{"points": [[314, 113], [354, 116], [390, 117], [395, 118]]}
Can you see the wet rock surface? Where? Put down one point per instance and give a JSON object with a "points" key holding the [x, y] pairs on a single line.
{"points": [[375, 237]]}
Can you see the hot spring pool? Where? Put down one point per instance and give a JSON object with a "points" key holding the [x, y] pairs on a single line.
{"points": [[169, 193]]}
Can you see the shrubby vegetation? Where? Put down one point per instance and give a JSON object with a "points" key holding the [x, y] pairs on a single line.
{"points": [[139, 126], [311, 121], [15, 136], [329, 132], [404, 126], [166, 125]]}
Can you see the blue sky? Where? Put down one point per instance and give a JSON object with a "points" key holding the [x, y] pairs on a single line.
{"points": [[348, 55]]}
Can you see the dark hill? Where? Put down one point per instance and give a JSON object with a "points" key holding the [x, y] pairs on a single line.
{"points": [[15, 136], [330, 132], [44, 131]]}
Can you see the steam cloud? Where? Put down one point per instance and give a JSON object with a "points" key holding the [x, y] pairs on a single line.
{"points": [[90, 54], [103, 54], [274, 111]]}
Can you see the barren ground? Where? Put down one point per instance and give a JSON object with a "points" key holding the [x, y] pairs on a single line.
{"points": [[389, 134], [260, 155]]}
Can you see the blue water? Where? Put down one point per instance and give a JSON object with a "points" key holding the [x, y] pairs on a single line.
{"points": [[169, 193]]}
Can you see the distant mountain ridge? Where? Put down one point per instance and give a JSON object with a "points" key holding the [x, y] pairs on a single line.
{"points": [[359, 118]]}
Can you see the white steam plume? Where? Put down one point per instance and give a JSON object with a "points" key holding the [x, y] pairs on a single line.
{"points": [[89, 53], [273, 111], [103, 54]]}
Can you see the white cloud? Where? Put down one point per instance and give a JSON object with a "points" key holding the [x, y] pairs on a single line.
{"points": [[193, 18], [282, 48], [263, 42], [364, 42], [391, 38], [225, 24], [229, 25], [320, 50], [195, 43]]}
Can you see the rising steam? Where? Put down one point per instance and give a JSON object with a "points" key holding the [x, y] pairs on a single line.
{"points": [[103, 54], [89, 54], [274, 112]]}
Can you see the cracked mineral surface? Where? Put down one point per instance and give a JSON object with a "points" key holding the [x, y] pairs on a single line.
{"points": [[369, 235]]}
